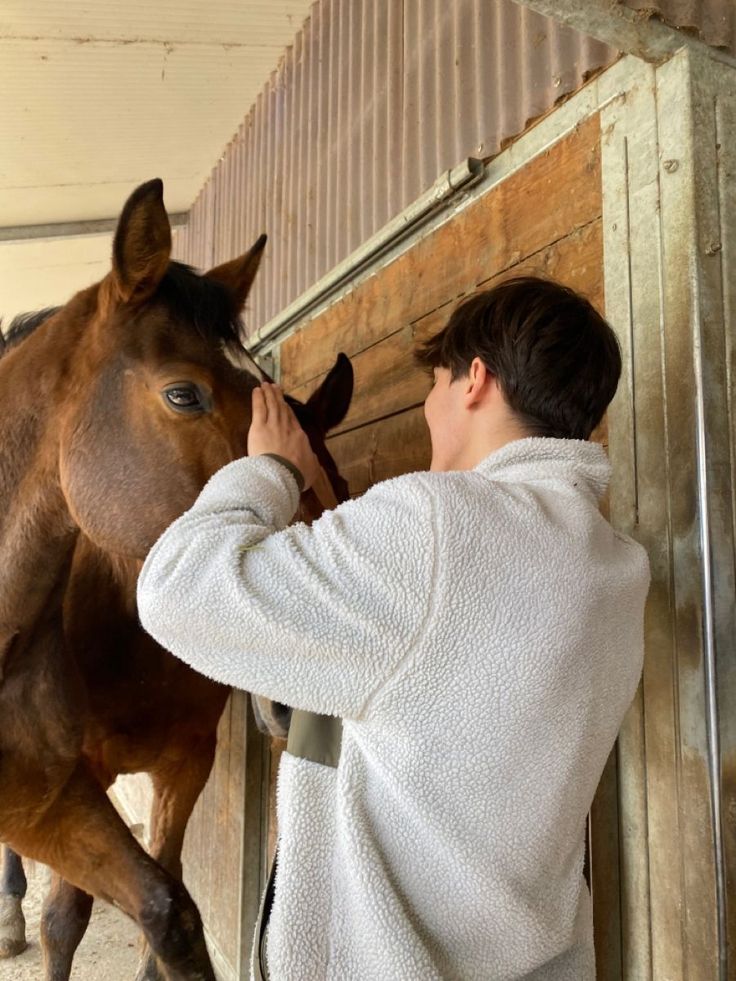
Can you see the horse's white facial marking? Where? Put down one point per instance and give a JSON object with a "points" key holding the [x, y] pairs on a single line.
{"points": [[237, 358]]}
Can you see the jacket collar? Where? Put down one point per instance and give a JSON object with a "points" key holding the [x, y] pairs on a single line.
{"points": [[535, 458]]}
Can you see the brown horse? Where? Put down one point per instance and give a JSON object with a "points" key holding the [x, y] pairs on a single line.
{"points": [[116, 410]]}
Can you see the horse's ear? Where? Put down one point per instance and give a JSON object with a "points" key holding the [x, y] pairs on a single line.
{"points": [[238, 274], [142, 246], [331, 401]]}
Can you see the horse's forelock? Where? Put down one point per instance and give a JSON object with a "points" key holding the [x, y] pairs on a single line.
{"points": [[208, 306]]}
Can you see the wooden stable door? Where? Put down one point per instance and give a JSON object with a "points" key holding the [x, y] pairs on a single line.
{"points": [[543, 219]]}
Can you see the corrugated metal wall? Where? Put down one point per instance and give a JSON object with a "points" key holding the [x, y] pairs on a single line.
{"points": [[375, 99], [712, 20]]}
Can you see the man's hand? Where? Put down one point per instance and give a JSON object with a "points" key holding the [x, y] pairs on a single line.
{"points": [[274, 429]]}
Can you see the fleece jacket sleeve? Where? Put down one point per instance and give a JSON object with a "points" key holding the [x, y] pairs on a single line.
{"points": [[319, 617]]}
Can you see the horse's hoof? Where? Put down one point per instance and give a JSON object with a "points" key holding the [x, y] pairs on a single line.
{"points": [[12, 927]]}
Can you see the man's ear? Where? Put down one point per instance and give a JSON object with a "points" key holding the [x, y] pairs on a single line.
{"points": [[142, 245], [238, 274], [477, 381], [331, 401]]}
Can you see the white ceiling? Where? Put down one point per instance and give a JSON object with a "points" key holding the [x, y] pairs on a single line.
{"points": [[97, 96], [35, 274]]}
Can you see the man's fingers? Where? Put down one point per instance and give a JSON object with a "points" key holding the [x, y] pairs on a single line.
{"points": [[272, 404], [259, 409], [271, 408], [275, 429], [278, 410]]}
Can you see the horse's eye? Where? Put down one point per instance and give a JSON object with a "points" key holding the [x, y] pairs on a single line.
{"points": [[184, 398]]}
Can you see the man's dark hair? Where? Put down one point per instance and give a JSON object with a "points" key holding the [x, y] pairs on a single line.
{"points": [[555, 358]]}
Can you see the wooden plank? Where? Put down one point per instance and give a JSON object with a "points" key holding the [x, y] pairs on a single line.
{"points": [[399, 444], [219, 918], [664, 290], [632, 876], [386, 379], [575, 261], [232, 845], [674, 680], [253, 827], [641, 499], [604, 859], [214, 837], [725, 135], [211, 869], [557, 192]]}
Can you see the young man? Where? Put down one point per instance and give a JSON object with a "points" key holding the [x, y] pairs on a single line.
{"points": [[479, 629]]}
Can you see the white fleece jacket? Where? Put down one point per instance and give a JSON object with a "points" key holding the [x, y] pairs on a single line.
{"points": [[481, 634]]}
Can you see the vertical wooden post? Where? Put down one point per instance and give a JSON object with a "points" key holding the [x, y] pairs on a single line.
{"points": [[255, 833], [671, 443]]}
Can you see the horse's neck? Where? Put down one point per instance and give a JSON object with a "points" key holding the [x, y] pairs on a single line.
{"points": [[36, 530]]}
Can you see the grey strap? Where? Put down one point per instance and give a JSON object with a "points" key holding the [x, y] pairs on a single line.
{"points": [[315, 737]]}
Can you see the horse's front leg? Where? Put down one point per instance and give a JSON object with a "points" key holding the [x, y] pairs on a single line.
{"points": [[176, 787], [66, 913], [64, 919], [83, 838], [12, 892]]}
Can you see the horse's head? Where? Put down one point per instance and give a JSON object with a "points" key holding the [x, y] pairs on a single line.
{"points": [[157, 404]]}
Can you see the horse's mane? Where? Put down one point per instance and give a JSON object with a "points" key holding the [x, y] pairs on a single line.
{"points": [[23, 325], [205, 304]]}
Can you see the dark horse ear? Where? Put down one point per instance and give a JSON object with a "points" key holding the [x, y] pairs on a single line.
{"points": [[238, 274], [331, 401], [142, 246]]}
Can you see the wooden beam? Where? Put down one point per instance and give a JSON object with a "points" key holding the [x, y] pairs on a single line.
{"points": [[616, 24], [72, 229], [669, 272]]}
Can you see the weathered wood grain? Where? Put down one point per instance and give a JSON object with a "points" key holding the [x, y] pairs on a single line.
{"points": [[386, 378], [383, 449]]}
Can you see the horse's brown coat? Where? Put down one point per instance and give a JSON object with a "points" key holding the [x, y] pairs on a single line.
{"points": [[94, 465]]}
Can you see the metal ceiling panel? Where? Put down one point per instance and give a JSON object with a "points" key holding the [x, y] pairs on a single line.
{"points": [[98, 97], [237, 22]]}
